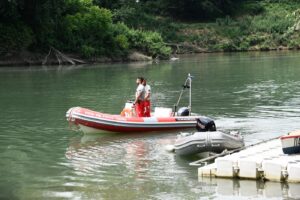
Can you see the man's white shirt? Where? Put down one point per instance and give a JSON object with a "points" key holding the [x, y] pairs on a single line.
{"points": [[140, 89], [147, 90]]}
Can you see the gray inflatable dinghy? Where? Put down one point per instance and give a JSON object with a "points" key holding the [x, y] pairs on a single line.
{"points": [[206, 139], [211, 141]]}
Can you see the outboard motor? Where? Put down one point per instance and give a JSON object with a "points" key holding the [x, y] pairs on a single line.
{"points": [[205, 124], [184, 111]]}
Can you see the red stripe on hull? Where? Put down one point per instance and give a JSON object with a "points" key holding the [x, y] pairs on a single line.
{"points": [[100, 115], [289, 136], [167, 119], [114, 128], [135, 119]]}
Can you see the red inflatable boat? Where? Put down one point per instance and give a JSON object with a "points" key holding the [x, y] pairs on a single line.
{"points": [[162, 119], [90, 121]]}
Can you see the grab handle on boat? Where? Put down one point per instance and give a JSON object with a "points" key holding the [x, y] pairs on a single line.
{"points": [[187, 84]]}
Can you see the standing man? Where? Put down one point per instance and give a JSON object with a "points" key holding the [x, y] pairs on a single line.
{"points": [[147, 104], [139, 97]]}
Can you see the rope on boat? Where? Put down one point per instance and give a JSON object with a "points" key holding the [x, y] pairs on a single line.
{"points": [[71, 119]]}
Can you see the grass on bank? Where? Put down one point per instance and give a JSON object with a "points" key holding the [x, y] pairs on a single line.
{"points": [[83, 28], [261, 25]]}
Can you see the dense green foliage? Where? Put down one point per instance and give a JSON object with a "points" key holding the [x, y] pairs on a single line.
{"points": [[76, 26], [225, 25], [14, 37], [276, 26], [93, 28], [187, 9]]}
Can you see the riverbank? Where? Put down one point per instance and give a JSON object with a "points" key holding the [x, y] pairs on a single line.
{"points": [[96, 33], [189, 48], [34, 59], [26, 58]]}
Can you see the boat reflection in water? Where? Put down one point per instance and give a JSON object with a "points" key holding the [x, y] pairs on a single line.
{"points": [[97, 155], [102, 155], [245, 189], [121, 165]]}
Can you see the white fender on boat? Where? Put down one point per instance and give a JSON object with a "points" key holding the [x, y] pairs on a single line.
{"points": [[170, 148]]}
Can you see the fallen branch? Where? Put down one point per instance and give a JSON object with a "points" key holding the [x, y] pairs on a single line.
{"points": [[46, 58], [61, 58]]}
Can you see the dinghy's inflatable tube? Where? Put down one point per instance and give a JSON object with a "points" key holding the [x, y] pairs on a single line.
{"points": [[200, 142]]}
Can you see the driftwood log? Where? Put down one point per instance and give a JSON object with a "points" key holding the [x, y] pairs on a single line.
{"points": [[60, 58]]}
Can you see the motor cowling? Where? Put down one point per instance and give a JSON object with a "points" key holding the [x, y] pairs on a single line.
{"points": [[205, 124], [184, 111]]}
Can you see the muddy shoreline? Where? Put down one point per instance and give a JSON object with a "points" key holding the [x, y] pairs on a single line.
{"points": [[26, 58]]}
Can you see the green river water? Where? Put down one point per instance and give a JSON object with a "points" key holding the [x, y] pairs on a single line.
{"points": [[255, 93]]}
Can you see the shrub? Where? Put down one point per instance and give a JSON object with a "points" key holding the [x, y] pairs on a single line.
{"points": [[252, 8], [90, 29], [255, 39], [125, 14], [272, 23], [244, 45], [149, 42], [15, 37], [294, 44], [122, 41], [245, 25], [92, 32], [88, 51], [230, 32], [224, 21], [225, 46]]}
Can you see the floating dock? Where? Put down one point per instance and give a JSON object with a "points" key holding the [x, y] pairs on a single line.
{"points": [[249, 189], [262, 161]]}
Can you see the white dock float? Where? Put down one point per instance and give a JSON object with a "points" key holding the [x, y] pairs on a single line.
{"points": [[225, 188], [264, 160]]}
